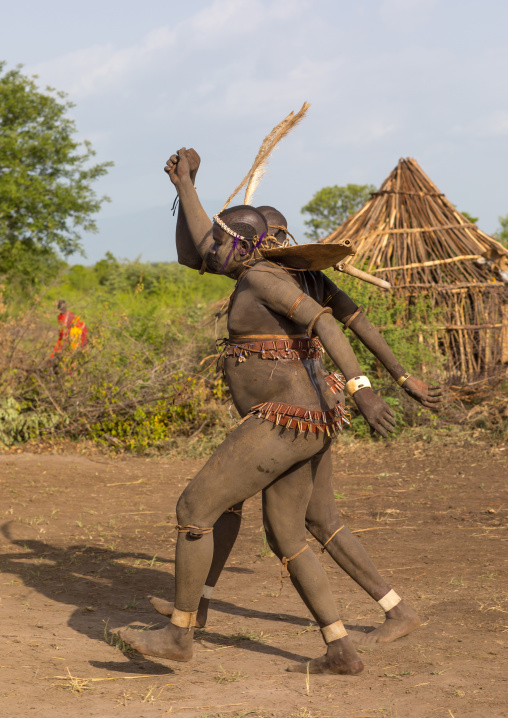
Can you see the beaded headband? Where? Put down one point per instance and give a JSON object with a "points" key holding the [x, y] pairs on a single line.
{"points": [[232, 233], [224, 226]]}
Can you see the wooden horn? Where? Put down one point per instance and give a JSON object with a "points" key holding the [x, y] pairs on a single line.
{"points": [[360, 274]]}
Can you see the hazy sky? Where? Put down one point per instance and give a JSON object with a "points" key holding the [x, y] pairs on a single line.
{"points": [[385, 78]]}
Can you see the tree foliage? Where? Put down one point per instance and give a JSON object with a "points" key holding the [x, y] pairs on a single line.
{"points": [[470, 217], [331, 206], [502, 232], [46, 177]]}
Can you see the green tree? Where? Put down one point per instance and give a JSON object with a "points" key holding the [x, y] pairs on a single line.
{"points": [[330, 206], [502, 232], [470, 217], [46, 177]]}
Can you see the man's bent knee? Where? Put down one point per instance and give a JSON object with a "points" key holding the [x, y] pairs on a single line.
{"points": [[190, 522], [188, 513], [191, 510]]}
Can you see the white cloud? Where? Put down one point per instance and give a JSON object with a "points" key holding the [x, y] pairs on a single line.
{"points": [[385, 78], [70, 71], [102, 68], [223, 36], [363, 131]]}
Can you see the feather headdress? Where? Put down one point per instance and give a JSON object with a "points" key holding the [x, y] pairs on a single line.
{"points": [[258, 169]]}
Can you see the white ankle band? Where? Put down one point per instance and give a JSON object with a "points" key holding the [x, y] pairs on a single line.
{"points": [[333, 631], [389, 601], [207, 591]]}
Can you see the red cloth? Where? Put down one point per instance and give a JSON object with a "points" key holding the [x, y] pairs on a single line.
{"points": [[73, 333]]}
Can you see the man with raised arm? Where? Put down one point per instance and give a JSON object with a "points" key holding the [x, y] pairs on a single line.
{"points": [[322, 517], [290, 412]]}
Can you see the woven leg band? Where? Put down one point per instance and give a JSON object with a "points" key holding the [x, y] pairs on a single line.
{"points": [[183, 619], [207, 591], [193, 531], [284, 566], [328, 541], [389, 601], [333, 631], [285, 560]]}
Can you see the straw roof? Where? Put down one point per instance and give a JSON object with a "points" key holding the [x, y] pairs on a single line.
{"points": [[410, 234]]}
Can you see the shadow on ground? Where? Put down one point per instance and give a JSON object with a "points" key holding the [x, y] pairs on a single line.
{"points": [[102, 584]]}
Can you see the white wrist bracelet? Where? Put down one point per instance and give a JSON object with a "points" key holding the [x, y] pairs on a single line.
{"points": [[357, 383]]}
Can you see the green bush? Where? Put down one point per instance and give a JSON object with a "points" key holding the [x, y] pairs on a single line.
{"points": [[20, 423], [146, 380], [139, 383]]}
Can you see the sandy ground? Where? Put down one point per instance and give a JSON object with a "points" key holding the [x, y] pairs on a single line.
{"points": [[86, 538]]}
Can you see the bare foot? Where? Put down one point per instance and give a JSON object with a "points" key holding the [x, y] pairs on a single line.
{"points": [[169, 642], [340, 658], [400, 621], [165, 608]]}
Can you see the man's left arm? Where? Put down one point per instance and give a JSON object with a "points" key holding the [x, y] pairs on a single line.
{"points": [[349, 314], [288, 300]]}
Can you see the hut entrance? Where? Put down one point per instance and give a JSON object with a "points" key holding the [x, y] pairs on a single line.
{"points": [[410, 234]]}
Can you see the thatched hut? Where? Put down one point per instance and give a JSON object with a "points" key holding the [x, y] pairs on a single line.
{"points": [[409, 234]]}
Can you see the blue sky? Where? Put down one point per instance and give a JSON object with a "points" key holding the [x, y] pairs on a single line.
{"points": [[385, 78]]}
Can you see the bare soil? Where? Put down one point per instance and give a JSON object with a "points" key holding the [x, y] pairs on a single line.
{"points": [[86, 538]]}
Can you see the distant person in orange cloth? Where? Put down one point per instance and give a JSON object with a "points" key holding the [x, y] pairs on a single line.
{"points": [[73, 330]]}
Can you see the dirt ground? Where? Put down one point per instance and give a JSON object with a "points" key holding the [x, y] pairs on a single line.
{"points": [[86, 538]]}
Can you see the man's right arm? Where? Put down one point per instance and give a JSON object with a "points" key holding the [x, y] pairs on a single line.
{"points": [[185, 249], [193, 227]]}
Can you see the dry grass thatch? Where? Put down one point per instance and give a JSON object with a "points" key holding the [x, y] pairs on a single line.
{"points": [[410, 234]]}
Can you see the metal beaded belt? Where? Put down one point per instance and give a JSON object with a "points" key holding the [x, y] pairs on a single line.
{"points": [[303, 348]]}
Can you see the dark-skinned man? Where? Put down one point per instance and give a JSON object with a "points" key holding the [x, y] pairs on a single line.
{"points": [[322, 518], [290, 416]]}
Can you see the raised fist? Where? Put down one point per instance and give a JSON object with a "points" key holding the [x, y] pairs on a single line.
{"points": [[184, 164]]}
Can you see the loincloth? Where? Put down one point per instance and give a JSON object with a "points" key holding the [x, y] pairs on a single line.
{"points": [[329, 421]]}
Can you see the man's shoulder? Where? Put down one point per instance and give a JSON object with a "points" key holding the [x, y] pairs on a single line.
{"points": [[266, 273]]}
